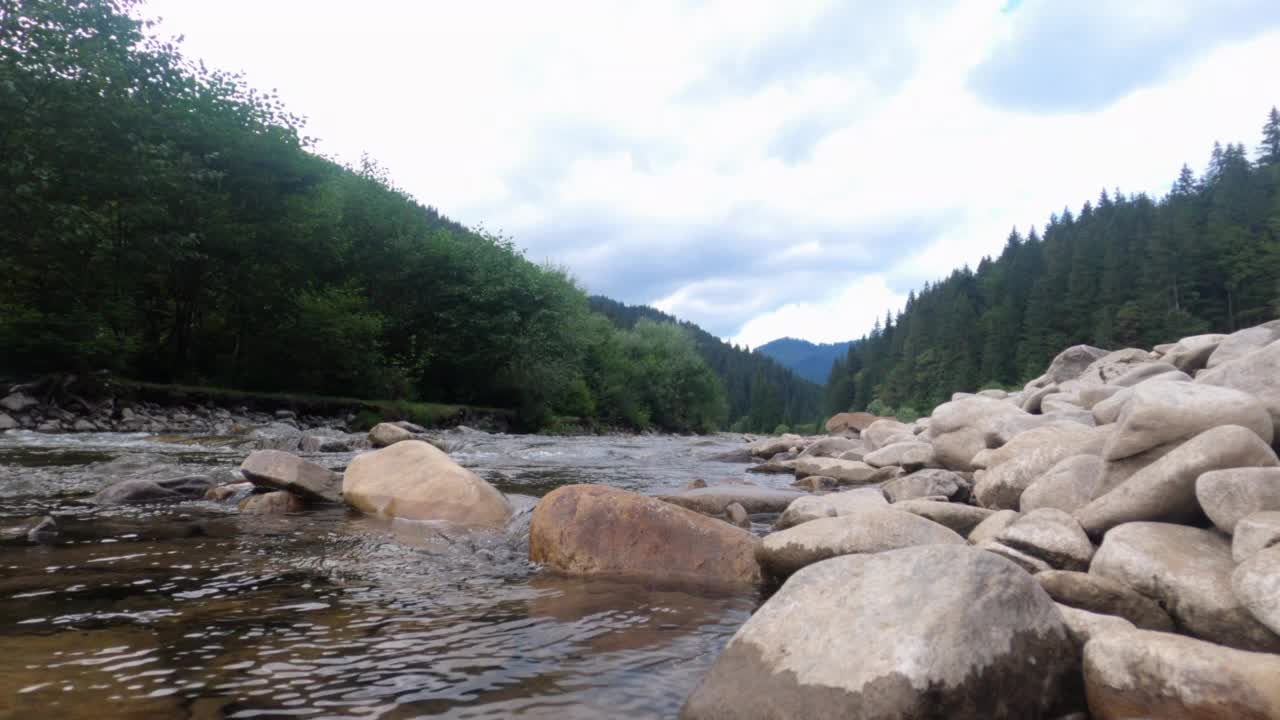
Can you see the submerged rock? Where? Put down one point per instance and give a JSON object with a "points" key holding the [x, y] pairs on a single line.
{"points": [[278, 470], [278, 502], [137, 492], [600, 530], [851, 638]]}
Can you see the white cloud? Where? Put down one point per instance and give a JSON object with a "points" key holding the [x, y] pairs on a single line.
{"points": [[750, 166]]}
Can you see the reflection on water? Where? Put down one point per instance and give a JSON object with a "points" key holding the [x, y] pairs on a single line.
{"points": [[195, 611]]}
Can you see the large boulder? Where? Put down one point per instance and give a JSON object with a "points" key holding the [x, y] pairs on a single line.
{"points": [[1139, 374], [600, 530], [1068, 485], [959, 430], [1160, 412], [851, 638], [279, 470], [1188, 571], [1045, 433], [926, 483], [1099, 594], [1192, 353], [18, 402], [813, 507], [414, 480], [140, 491], [848, 472], [1143, 674], [859, 530], [7, 423], [991, 526], [1256, 583], [1227, 496], [850, 421], [909, 455], [1254, 533], [1050, 535], [1166, 490], [1001, 487], [714, 500], [1256, 374], [1242, 342], [959, 517], [387, 434]]}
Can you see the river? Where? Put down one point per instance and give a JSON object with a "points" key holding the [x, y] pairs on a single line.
{"points": [[196, 611]]}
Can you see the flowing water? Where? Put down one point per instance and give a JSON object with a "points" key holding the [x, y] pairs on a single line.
{"points": [[195, 611]]}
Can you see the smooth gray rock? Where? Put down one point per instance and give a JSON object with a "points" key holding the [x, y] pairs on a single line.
{"points": [[715, 500], [1116, 472], [1188, 571], [959, 430], [1099, 594], [1072, 363], [1256, 374], [1192, 353], [814, 507], [885, 432], [1141, 373], [278, 470], [1002, 486], [1048, 433], [1069, 485], [851, 637], [770, 446], [737, 515], [7, 423], [816, 483], [858, 530], [1227, 496], [1031, 401], [1108, 411], [1051, 535], [926, 483], [957, 516], [1256, 583], [17, 402], [1165, 490], [1161, 412], [991, 527], [1143, 674], [848, 472], [1242, 342], [909, 455], [1030, 563], [1083, 625], [832, 447], [1255, 532]]}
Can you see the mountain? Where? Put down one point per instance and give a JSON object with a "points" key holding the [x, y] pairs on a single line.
{"points": [[1123, 271], [808, 360], [762, 393]]}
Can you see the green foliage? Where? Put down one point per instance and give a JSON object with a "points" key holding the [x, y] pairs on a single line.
{"points": [[1125, 272], [781, 429], [167, 221]]}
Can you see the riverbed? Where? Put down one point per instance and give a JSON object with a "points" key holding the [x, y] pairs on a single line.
{"points": [[197, 611]]}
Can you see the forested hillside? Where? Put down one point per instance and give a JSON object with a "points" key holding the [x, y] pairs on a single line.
{"points": [[168, 222], [1124, 271], [811, 361], [762, 394]]}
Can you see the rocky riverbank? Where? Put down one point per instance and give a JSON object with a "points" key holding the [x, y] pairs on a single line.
{"points": [[1104, 542]]}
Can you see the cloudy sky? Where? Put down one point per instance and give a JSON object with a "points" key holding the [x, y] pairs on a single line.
{"points": [[762, 168]]}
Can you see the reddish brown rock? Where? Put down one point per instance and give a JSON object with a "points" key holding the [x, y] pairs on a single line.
{"points": [[600, 530]]}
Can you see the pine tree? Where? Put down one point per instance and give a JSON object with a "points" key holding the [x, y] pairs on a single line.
{"points": [[1269, 151]]}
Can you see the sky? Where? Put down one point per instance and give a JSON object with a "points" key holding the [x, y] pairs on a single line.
{"points": [[761, 168]]}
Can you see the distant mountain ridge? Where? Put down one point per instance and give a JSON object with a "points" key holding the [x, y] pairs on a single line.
{"points": [[811, 361]]}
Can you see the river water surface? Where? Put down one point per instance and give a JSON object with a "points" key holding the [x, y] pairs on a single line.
{"points": [[196, 611]]}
